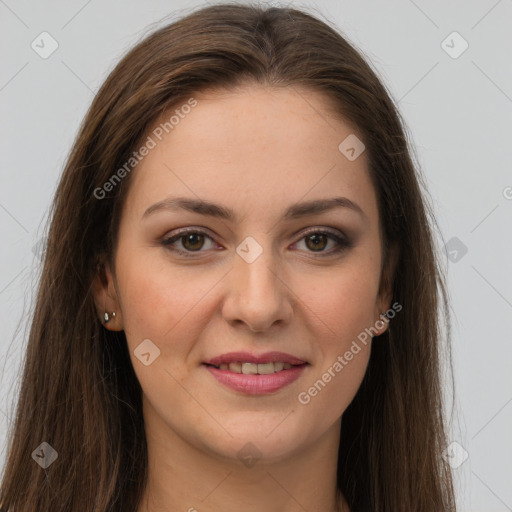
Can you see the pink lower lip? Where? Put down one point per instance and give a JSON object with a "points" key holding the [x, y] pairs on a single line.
{"points": [[257, 384]]}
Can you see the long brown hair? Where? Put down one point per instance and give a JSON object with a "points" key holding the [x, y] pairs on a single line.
{"points": [[79, 392]]}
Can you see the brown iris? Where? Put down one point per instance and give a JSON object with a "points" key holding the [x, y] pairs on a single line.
{"points": [[316, 241], [190, 241]]}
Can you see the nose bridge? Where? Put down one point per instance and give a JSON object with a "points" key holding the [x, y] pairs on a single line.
{"points": [[256, 295], [257, 278]]}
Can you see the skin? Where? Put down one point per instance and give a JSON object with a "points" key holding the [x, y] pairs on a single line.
{"points": [[256, 150]]}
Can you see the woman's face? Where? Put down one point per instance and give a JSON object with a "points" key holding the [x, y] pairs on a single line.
{"points": [[256, 272]]}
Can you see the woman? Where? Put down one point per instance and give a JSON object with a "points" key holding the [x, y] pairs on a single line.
{"points": [[238, 220]]}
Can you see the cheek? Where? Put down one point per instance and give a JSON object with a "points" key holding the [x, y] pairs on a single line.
{"points": [[342, 302], [343, 350], [170, 309], [163, 306], [343, 305]]}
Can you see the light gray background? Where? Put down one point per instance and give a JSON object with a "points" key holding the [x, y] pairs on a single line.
{"points": [[459, 112]]}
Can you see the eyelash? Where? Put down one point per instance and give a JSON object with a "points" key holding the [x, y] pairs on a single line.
{"points": [[342, 242]]}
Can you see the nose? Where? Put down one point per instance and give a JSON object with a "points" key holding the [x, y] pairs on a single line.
{"points": [[257, 294]]}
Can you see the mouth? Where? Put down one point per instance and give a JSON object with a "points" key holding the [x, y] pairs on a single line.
{"points": [[255, 369], [256, 374]]}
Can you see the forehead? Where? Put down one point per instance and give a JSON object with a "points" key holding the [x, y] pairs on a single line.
{"points": [[252, 146]]}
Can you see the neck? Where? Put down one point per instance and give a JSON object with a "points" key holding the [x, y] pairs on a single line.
{"points": [[182, 477]]}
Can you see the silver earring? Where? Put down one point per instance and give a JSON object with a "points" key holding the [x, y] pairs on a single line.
{"points": [[106, 317]]}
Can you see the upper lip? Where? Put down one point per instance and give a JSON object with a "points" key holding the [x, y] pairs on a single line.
{"points": [[246, 357]]}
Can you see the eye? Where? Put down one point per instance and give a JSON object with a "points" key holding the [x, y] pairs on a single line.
{"points": [[316, 241], [192, 240]]}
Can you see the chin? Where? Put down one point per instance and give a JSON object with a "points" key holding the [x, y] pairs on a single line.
{"points": [[268, 439]]}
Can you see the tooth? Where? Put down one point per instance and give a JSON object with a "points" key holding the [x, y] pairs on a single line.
{"points": [[278, 366], [235, 367], [265, 368], [224, 366], [286, 366], [249, 368]]}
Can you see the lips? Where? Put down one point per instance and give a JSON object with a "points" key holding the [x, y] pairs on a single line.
{"points": [[256, 374]]}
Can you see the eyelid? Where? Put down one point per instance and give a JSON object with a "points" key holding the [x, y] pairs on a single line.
{"points": [[189, 229], [326, 230]]}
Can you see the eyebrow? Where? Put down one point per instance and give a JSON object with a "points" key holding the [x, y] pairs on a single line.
{"points": [[295, 211]]}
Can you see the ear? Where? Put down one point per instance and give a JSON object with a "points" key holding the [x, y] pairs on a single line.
{"points": [[385, 295], [106, 299]]}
